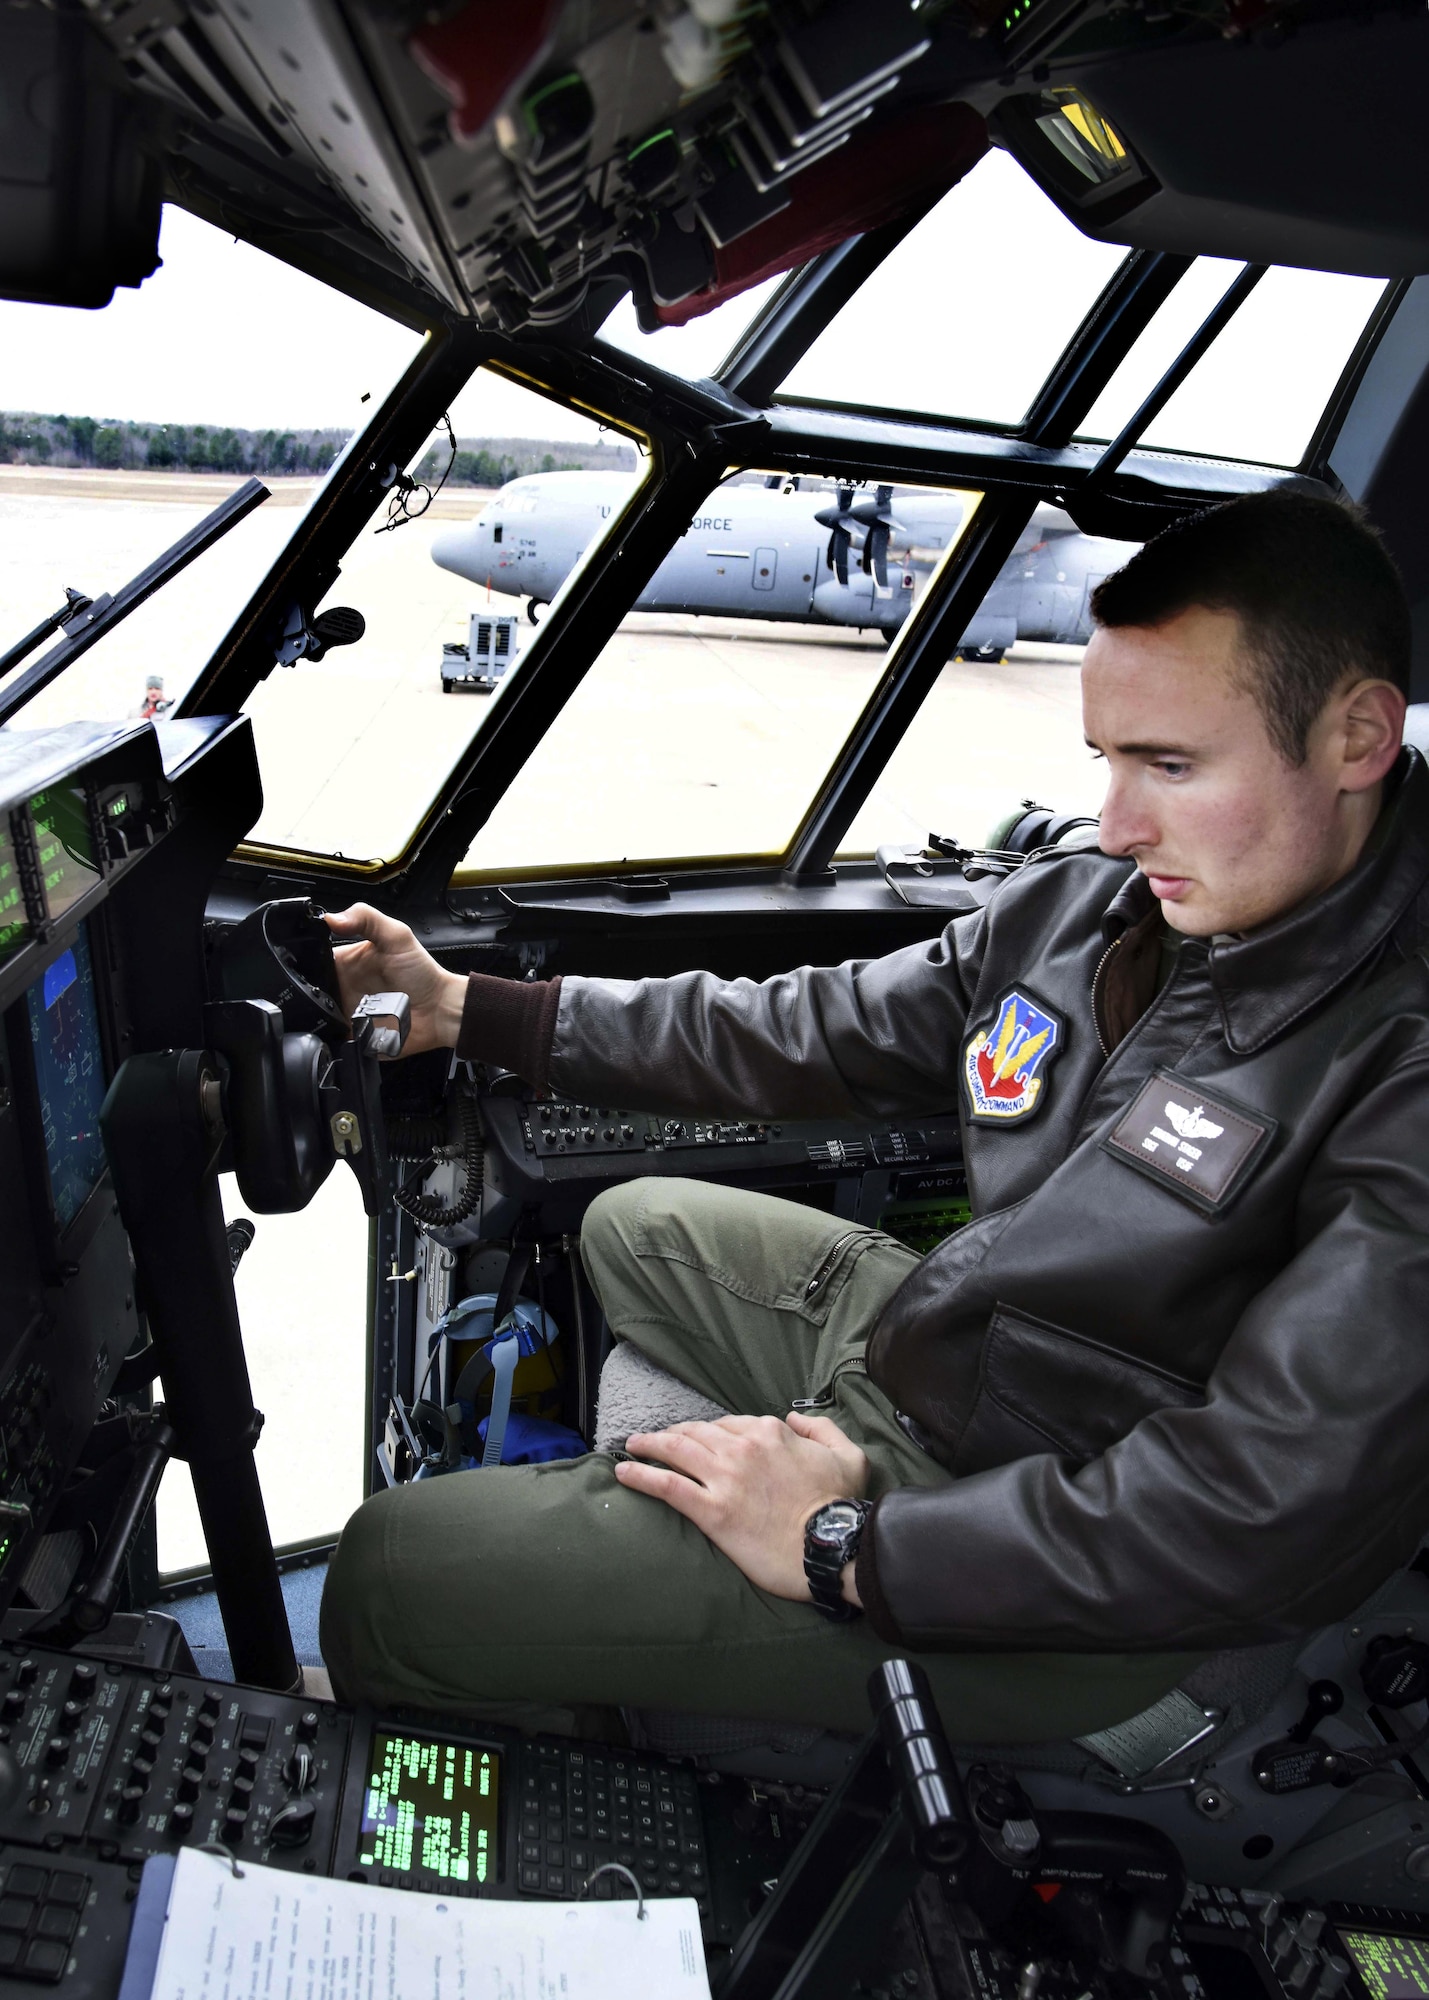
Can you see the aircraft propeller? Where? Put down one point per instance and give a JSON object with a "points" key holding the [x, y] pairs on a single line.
{"points": [[840, 540], [874, 517]]}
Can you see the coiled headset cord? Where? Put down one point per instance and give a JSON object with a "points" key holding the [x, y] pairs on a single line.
{"points": [[418, 1139]]}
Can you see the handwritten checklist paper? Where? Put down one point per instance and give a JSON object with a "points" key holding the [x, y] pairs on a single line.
{"points": [[269, 1935]]}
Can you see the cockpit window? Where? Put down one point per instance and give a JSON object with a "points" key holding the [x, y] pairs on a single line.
{"points": [[1259, 391], [698, 347], [355, 746], [124, 428], [1002, 726], [704, 728], [968, 315]]}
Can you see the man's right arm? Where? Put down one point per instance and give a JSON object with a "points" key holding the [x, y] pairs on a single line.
{"points": [[872, 1038]]}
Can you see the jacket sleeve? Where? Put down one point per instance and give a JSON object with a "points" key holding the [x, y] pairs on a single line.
{"points": [[1279, 1505], [871, 1038]]}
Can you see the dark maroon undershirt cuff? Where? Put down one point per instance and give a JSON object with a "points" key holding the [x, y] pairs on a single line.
{"points": [[511, 1023], [865, 1576]]}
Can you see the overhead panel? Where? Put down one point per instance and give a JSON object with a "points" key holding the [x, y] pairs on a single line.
{"points": [[679, 154], [312, 73]]}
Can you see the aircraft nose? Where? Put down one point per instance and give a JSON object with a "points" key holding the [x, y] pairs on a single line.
{"points": [[454, 549]]}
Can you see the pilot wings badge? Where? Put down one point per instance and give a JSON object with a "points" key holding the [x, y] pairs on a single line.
{"points": [[1189, 1123], [1002, 1063]]}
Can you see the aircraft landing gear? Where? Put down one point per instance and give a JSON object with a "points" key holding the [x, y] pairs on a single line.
{"points": [[982, 656]]}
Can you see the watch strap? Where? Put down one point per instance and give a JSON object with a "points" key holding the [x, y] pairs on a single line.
{"points": [[825, 1562]]}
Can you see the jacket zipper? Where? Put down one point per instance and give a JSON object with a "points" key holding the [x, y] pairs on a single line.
{"points": [[856, 1364], [1102, 962]]}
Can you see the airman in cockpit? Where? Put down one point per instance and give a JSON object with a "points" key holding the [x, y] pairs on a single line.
{"points": [[1167, 1392]]}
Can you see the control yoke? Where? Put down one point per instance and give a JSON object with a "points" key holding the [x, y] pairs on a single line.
{"points": [[299, 1089]]}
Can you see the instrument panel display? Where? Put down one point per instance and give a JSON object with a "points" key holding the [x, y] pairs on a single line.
{"points": [[69, 1077], [14, 919], [431, 1808], [63, 847], [1391, 1967]]}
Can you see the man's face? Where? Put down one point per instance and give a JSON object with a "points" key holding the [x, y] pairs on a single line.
{"points": [[1228, 834]]}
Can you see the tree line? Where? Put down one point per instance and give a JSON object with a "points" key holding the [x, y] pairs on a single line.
{"points": [[114, 446], [30, 439]]}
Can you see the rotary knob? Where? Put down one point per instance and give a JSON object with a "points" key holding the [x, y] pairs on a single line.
{"points": [[190, 1783], [27, 1673], [82, 1680], [307, 1727], [57, 1749], [300, 1772], [181, 1820], [131, 1804], [234, 1821], [71, 1713], [292, 1824], [12, 1707]]}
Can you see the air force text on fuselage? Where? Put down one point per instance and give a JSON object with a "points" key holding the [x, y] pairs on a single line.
{"points": [[855, 557]]}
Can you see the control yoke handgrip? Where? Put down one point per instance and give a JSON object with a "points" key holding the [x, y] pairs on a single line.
{"points": [[384, 1043], [921, 1761]]}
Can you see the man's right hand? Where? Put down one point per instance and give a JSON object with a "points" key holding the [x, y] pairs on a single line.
{"points": [[376, 954]]}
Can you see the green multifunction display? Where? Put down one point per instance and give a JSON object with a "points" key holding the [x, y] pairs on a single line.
{"points": [[63, 848], [431, 1807], [1392, 1968], [14, 918]]}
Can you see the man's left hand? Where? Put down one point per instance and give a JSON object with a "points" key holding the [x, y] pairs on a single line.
{"points": [[750, 1484]]}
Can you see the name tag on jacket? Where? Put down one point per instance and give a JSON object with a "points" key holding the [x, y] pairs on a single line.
{"points": [[1200, 1146]]}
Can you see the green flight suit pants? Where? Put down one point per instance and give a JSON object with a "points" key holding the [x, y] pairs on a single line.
{"points": [[532, 1594]]}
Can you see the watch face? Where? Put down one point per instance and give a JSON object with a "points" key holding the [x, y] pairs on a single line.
{"points": [[833, 1522]]}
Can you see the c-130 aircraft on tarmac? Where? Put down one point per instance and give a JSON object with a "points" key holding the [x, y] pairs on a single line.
{"points": [[792, 553]]}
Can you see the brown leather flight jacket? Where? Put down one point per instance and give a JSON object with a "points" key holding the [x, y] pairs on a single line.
{"points": [[1179, 1361]]}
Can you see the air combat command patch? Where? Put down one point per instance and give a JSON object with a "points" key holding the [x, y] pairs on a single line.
{"points": [[1002, 1062]]}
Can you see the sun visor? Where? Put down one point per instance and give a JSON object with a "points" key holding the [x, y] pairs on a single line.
{"points": [[80, 198], [1311, 152]]}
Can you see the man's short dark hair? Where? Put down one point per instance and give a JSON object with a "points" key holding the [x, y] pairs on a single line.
{"points": [[1318, 598]]}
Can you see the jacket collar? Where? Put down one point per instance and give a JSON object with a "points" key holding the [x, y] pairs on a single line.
{"points": [[1266, 981]]}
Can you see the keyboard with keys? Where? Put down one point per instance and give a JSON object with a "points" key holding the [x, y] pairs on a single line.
{"points": [[583, 1806], [466, 1809]]}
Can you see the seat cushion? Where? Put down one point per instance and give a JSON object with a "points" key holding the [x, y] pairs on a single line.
{"points": [[635, 1395]]}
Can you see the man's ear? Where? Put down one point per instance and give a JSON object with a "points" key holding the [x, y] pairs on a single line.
{"points": [[1372, 719]]}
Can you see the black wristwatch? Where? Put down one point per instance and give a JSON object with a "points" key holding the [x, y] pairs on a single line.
{"points": [[831, 1539]]}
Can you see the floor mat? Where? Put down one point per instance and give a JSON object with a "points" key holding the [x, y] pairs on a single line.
{"points": [[202, 1623]]}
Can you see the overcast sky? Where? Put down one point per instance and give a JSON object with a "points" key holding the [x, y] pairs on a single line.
{"points": [[963, 320]]}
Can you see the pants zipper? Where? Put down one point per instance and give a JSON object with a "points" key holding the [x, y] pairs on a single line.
{"points": [[856, 1364], [836, 1251]]}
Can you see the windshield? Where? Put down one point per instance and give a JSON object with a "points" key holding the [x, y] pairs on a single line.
{"points": [[714, 712], [354, 747], [124, 428]]}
